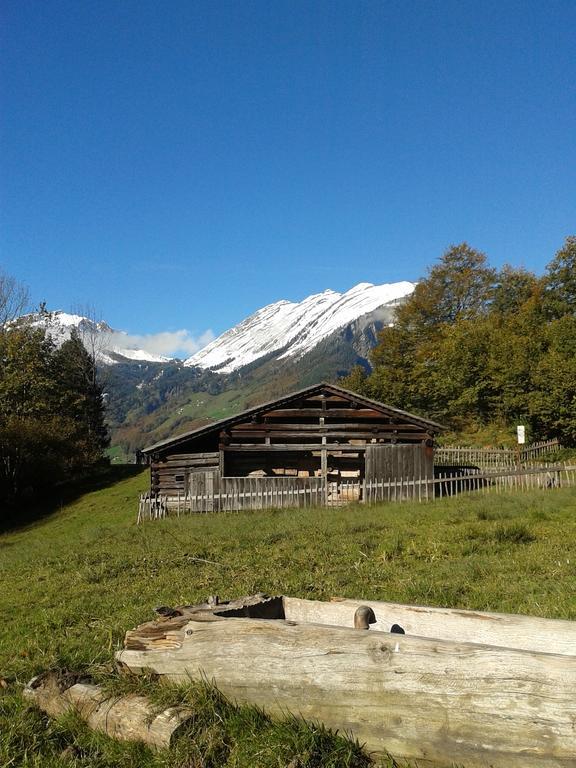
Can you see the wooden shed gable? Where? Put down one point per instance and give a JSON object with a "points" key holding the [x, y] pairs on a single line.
{"points": [[321, 414]]}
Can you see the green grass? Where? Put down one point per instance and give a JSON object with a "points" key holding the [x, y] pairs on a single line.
{"points": [[74, 582], [116, 454]]}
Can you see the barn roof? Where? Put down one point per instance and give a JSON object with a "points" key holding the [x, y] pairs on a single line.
{"points": [[387, 410]]}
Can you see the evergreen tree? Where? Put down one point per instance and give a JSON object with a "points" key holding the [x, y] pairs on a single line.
{"points": [[51, 412], [33, 432], [81, 399]]}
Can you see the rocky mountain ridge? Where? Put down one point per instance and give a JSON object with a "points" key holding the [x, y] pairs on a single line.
{"points": [[98, 337], [292, 329]]}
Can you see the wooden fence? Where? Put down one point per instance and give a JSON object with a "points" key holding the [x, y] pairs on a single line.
{"points": [[485, 458], [536, 450], [496, 458], [236, 493], [232, 493]]}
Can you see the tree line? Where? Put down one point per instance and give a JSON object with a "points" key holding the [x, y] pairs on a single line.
{"points": [[51, 406], [473, 346]]}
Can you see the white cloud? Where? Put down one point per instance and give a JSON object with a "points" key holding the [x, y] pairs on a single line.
{"points": [[168, 343]]}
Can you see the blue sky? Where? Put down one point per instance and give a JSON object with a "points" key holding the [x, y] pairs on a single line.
{"points": [[177, 165]]}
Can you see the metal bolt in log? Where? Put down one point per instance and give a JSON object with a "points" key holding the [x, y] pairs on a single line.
{"points": [[363, 617]]}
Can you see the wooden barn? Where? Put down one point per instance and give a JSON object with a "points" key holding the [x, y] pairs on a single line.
{"points": [[322, 438]]}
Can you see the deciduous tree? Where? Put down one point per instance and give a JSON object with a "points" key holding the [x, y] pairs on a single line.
{"points": [[560, 281], [472, 346], [14, 298]]}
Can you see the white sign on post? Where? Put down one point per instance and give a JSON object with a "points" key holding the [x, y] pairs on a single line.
{"points": [[521, 431]]}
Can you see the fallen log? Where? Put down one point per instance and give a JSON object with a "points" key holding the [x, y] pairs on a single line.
{"points": [[128, 718], [434, 700]]}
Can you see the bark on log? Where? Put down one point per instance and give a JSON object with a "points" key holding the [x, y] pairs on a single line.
{"points": [[128, 718]]}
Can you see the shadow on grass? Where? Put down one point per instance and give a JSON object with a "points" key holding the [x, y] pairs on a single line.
{"points": [[32, 510]]}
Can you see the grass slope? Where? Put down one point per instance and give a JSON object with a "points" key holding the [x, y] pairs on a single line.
{"points": [[74, 582]]}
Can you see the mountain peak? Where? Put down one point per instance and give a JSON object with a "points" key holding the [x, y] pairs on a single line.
{"points": [[363, 287], [291, 329], [107, 342]]}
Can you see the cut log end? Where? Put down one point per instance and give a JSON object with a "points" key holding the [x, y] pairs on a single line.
{"points": [[166, 632]]}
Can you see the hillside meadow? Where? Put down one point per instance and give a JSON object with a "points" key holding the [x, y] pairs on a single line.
{"points": [[73, 582]]}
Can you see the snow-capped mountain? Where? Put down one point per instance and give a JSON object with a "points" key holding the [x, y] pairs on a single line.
{"points": [[281, 347], [292, 329], [106, 343], [285, 331]]}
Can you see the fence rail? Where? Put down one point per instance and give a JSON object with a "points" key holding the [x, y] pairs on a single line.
{"points": [[237, 493]]}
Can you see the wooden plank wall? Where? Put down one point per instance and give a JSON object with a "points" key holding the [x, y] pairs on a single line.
{"points": [[392, 462], [169, 476]]}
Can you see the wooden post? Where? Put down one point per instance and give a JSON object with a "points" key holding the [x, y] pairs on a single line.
{"points": [[324, 472]]}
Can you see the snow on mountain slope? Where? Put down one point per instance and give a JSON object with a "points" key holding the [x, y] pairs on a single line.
{"points": [[140, 354], [294, 328], [106, 342]]}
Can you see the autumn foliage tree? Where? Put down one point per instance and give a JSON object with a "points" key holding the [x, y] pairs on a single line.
{"points": [[474, 346]]}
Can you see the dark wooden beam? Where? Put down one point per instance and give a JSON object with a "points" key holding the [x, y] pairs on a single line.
{"points": [[356, 413], [295, 447], [359, 434], [271, 429]]}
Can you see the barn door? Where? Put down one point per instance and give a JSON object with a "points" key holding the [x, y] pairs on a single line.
{"points": [[203, 491], [413, 464]]}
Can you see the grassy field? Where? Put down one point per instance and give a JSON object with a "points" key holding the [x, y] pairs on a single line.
{"points": [[75, 581]]}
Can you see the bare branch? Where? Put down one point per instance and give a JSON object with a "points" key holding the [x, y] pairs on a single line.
{"points": [[14, 298]]}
